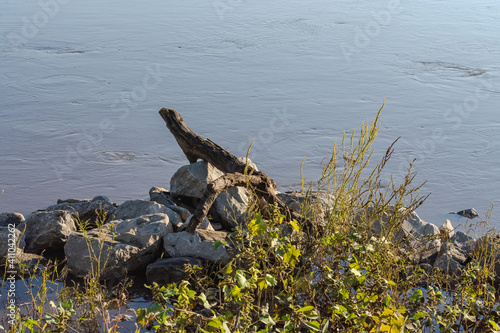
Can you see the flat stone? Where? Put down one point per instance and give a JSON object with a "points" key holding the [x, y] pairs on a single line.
{"points": [[171, 270], [134, 208], [143, 231], [89, 212]]}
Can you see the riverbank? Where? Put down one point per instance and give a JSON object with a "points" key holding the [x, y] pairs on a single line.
{"points": [[346, 255]]}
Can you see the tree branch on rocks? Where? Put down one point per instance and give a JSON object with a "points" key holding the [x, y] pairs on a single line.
{"points": [[236, 172]]}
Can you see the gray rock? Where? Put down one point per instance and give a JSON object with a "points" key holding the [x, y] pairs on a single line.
{"points": [[205, 225], [125, 246], [11, 218], [422, 238], [48, 230], [468, 213], [459, 247], [99, 255], [230, 207], [455, 253], [201, 245], [446, 229], [134, 208], [144, 231], [320, 203], [183, 212], [171, 270], [161, 196], [11, 245], [448, 264], [191, 180], [90, 212]]}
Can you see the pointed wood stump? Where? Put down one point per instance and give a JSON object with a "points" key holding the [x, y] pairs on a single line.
{"points": [[236, 172]]}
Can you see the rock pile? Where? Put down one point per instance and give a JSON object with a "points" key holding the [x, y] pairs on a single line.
{"points": [[147, 235]]}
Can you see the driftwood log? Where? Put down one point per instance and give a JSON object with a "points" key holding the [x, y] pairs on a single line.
{"points": [[236, 172]]}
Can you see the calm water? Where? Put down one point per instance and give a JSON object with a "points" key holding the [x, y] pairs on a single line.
{"points": [[81, 84]]}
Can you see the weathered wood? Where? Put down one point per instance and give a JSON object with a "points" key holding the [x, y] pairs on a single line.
{"points": [[195, 146], [236, 172]]}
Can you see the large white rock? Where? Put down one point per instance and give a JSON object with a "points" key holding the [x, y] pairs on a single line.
{"points": [[200, 245], [47, 230], [121, 246]]}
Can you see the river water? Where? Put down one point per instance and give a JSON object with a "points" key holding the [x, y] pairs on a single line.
{"points": [[82, 83]]}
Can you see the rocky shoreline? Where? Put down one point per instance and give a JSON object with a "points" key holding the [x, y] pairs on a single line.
{"points": [[149, 236]]}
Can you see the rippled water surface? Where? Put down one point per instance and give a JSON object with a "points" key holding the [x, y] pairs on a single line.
{"points": [[82, 83]]}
